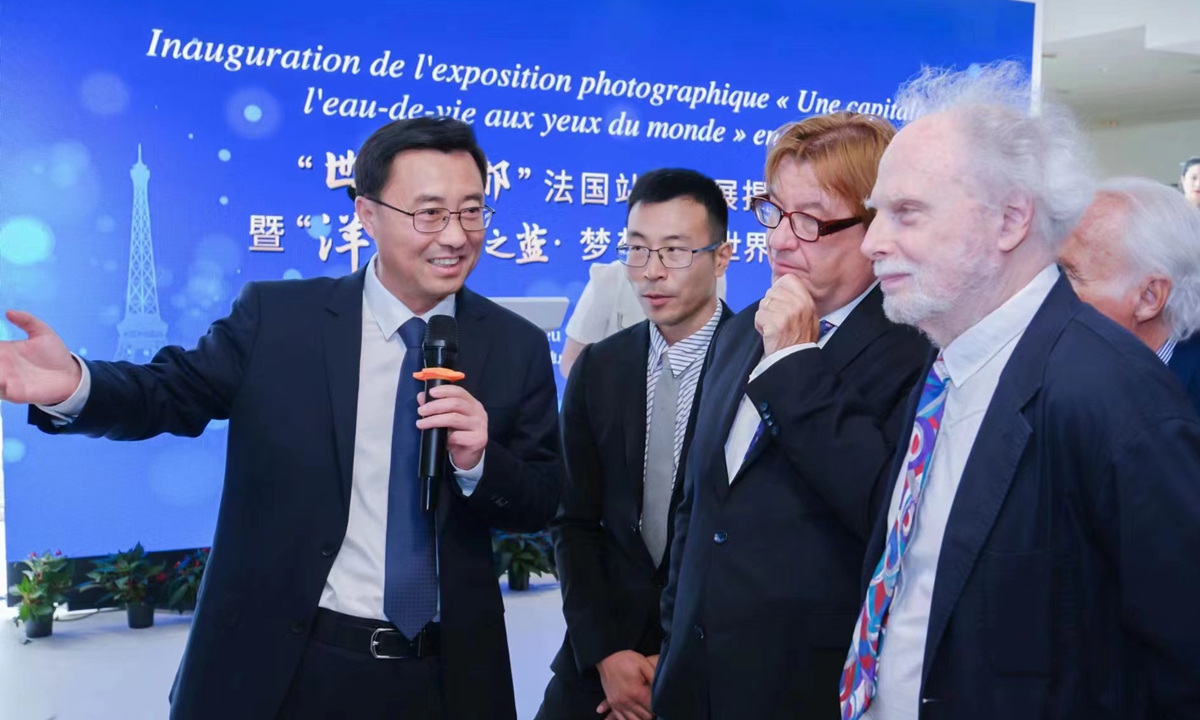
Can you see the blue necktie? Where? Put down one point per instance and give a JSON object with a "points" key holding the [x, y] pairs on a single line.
{"points": [[825, 327], [410, 587]]}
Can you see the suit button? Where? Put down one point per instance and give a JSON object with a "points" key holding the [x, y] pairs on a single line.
{"points": [[699, 631], [774, 431], [720, 537], [659, 583], [764, 407], [328, 551], [298, 627]]}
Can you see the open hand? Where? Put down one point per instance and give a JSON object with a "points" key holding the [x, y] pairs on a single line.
{"points": [[38, 370]]}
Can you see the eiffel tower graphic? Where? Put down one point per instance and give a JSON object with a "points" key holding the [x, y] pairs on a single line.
{"points": [[142, 331]]}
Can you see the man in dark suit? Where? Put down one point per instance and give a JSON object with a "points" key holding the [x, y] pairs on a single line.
{"points": [[1135, 257], [628, 415], [770, 537], [1037, 541], [330, 592]]}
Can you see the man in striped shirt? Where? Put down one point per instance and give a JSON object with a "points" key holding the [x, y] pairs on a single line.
{"points": [[1135, 257], [627, 420]]}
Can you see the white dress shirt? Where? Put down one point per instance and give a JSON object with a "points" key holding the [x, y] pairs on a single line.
{"points": [[974, 362], [355, 582], [745, 423]]}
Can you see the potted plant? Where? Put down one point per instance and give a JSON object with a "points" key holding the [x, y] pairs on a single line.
{"points": [[185, 583], [521, 555], [126, 577], [43, 587]]}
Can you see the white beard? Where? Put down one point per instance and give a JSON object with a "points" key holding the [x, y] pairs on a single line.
{"points": [[930, 298]]}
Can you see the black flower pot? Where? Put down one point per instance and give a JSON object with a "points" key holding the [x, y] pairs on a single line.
{"points": [[518, 581], [140, 615], [39, 627]]}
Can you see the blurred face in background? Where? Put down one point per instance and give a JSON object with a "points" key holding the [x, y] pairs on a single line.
{"points": [[832, 268], [677, 295], [1098, 266], [1191, 184]]}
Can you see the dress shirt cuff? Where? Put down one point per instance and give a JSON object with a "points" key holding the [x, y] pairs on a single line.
{"points": [[66, 411], [468, 480], [766, 363]]}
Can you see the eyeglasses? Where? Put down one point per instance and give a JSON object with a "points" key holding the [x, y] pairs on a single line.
{"points": [[805, 226], [432, 220], [671, 257]]}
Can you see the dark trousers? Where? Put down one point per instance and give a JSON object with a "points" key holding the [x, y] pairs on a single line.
{"points": [[336, 683], [570, 697]]}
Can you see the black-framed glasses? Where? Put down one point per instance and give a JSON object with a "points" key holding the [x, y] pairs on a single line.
{"points": [[805, 226], [432, 220], [670, 257]]}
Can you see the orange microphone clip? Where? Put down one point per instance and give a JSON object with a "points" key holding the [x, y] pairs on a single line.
{"points": [[437, 373]]}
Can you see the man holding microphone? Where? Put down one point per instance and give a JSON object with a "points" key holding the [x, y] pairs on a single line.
{"points": [[331, 592]]}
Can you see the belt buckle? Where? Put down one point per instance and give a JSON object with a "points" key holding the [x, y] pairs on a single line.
{"points": [[375, 644]]}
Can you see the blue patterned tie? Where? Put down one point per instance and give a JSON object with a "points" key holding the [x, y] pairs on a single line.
{"points": [[825, 327], [410, 588]]}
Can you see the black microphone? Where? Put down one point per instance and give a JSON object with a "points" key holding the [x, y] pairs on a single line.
{"points": [[440, 349]]}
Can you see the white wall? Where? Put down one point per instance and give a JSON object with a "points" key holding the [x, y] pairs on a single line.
{"points": [[1153, 150]]}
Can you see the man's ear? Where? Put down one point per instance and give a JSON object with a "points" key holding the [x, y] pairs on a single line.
{"points": [[1152, 299], [366, 214], [1015, 220]]}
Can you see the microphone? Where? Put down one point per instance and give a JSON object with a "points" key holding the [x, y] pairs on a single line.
{"points": [[440, 349]]}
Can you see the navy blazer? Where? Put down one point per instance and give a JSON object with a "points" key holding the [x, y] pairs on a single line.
{"points": [[1185, 362], [764, 576], [610, 585], [283, 367], [1066, 573]]}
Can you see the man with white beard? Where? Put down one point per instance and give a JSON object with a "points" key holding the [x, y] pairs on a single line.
{"points": [[1034, 560]]}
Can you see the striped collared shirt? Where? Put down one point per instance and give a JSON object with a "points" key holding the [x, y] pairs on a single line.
{"points": [[687, 360], [1166, 351]]}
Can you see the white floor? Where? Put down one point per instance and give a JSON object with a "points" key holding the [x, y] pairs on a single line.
{"points": [[97, 668]]}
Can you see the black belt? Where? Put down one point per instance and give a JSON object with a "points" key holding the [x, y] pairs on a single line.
{"points": [[381, 640]]}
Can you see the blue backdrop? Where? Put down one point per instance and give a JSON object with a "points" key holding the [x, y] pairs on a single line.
{"points": [[236, 129]]}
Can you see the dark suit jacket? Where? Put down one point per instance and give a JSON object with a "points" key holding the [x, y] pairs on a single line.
{"points": [[1185, 362], [764, 584], [1063, 585], [611, 586], [283, 367]]}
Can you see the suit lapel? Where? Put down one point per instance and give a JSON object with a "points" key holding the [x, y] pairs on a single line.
{"points": [[689, 433], [865, 323], [342, 336], [748, 351], [992, 464], [634, 365]]}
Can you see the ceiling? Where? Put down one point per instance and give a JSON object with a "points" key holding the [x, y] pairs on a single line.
{"points": [[1123, 62]]}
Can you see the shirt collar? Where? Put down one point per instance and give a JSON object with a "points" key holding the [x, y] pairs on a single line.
{"points": [[979, 344], [1166, 351], [687, 350], [388, 311], [837, 317]]}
